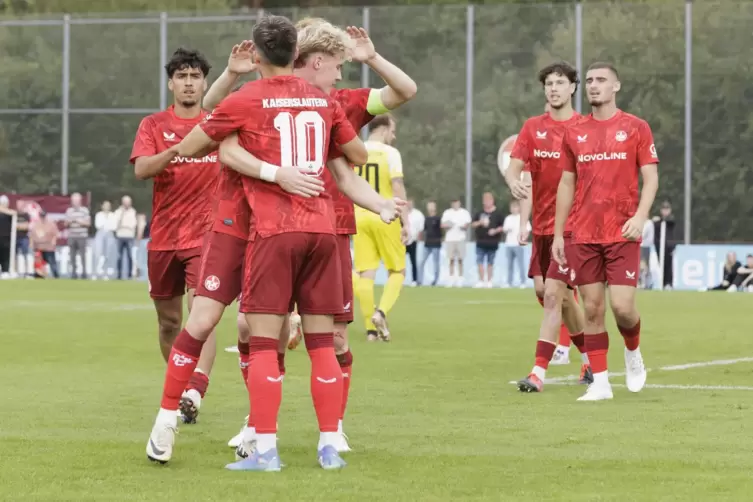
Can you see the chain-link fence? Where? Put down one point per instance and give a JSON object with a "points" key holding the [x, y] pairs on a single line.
{"points": [[74, 89]]}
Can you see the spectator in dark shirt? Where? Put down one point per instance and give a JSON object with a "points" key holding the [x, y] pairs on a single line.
{"points": [[488, 224], [744, 278], [6, 225], [22, 239], [668, 218], [432, 241], [730, 272]]}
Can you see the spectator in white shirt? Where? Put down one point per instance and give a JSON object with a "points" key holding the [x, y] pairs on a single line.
{"points": [[415, 228], [513, 249], [456, 221], [104, 241], [126, 223], [647, 244]]}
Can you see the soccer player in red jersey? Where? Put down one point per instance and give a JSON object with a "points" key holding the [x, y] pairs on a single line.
{"points": [[537, 152], [321, 48], [603, 157], [181, 209]]}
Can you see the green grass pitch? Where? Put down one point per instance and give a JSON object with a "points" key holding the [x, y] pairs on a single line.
{"points": [[432, 416]]}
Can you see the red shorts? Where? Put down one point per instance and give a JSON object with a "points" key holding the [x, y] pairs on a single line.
{"points": [[541, 255], [293, 268], [617, 264], [567, 273], [346, 262], [221, 270], [172, 272]]}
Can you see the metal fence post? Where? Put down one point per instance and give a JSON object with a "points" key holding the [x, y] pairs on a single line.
{"points": [[688, 118], [366, 21], [162, 60], [469, 54], [65, 115], [579, 54]]}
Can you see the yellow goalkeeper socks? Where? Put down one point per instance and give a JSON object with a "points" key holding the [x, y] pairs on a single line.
{"points": [[391, 292], [365, 292]]}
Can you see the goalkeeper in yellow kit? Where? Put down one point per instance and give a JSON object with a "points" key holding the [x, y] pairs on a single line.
{"points": [[376, 241]]}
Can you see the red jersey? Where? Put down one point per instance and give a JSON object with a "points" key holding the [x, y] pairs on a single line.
{"points": [[606, 156], [181, 201], [354, 103], [231, 213], [539, 146], [287, 122]]}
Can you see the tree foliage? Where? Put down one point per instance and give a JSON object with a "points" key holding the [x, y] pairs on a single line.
{"points": [[118, 66]]}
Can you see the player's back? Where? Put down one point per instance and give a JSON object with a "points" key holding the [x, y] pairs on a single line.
{"points": [[383, 166], [181, 200]]}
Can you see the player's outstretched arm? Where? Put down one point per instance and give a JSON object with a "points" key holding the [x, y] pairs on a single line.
{"points": [[400, 87], [196, 143], [239, 63], [147, 167], [290, 179], [355, 151], [361, 193]]}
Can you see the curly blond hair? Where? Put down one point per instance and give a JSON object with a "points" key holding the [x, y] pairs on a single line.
{"points": [[318, 35]]}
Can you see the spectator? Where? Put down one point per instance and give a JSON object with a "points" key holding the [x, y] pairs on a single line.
{"points": [[744, 278], [415, 227], [44, 238], [456, 221], [489, 224], [126, 223], [104, 241], [77, 220], [667, 217], [432, 241], [511, 228], [731, 266], [647, 244], [6, 228], [23, 220]]}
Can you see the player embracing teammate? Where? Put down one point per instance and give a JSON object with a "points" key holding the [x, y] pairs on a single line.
{"points": [[599, 216]]}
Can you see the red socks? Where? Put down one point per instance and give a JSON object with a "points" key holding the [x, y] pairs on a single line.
{"points": [[199, 382], [346, 367], [544, 353], [243, 350], [597, 347], [184, 357], [326, 380], [579, 341], [264, 384], [632, 336]]}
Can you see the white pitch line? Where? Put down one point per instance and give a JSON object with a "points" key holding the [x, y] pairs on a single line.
{"points": [[675, 386], [678, 367]]}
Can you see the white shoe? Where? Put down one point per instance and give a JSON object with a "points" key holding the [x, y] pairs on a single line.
{"points": [[190, 403], [561, 356], [236, 440], [635, 371], [597, 393], [159, 448], [233, 349], [341, 445], [522, 286], [489, 285], [245, 449], [479, 285]]}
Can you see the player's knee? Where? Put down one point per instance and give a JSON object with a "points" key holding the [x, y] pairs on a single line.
{"points": [[244, 334], [341, 339], [169, 324], [551, 298], [594, 309], [624, 312]]}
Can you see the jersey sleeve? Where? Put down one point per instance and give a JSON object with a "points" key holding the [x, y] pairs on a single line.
{"points": [[342, 130], [646, 147], [144, 144], [520, 149], [395, 163], [227, 117], [567, 158]]}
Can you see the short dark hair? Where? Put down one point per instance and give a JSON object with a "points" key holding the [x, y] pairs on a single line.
{"points": [[601, 65], [187, 58], [560, 68], [383, 120], [275, 37]]}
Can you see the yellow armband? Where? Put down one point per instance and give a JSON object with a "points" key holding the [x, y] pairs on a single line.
{"points": [[375, 106]]}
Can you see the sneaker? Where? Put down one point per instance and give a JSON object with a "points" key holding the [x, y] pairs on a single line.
{"points": [[480, 285], [329, 459], [372, 336], [296, 331], [341, 445], [586, 375], [245, 449], [380, 321], [268, 461], [489, 285], [531, 383], [190, 403], [561, 356], [597, 393], [236, 440], [635, 371], [159, 448]]}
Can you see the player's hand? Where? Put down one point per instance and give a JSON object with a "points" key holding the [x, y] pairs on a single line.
{"points": [[558, 251], [520, 189], [633, 228], [391, 209], [523, 236], [364, 50], [241, 59], [294, 181]]}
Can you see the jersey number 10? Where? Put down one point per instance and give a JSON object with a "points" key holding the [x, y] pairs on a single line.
{"points": [[301, 140]]}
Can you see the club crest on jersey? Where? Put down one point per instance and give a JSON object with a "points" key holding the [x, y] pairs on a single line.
{"points": [[620, 136], [540, 135], [652, 149], [169, 136], [582, 139], [212, 283]]}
